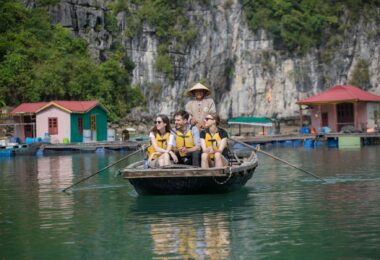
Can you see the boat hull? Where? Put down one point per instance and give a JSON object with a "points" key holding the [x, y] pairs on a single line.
{"points": [[180, 179], [190, 185]]}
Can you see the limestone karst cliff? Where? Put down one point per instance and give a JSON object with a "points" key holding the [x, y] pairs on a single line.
{"points": [[246, 73]]}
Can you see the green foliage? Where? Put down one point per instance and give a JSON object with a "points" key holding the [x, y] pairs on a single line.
{"points": [[229, 70], [41, 62], [111, 23], [164, 62], [360, 76], [166, 18], [302, 24]]}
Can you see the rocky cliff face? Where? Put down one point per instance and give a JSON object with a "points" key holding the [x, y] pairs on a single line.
{"points": [[246, 74]]}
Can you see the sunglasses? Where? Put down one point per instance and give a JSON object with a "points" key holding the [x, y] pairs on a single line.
{"points": [[157, 122], [208, 118]]}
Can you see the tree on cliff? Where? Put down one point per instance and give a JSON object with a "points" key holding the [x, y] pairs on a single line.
{"points": [[42, 62]]}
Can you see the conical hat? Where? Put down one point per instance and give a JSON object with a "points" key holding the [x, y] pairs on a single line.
{"points": [[196, 87]]}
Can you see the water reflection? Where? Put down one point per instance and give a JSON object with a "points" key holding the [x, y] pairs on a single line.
{"points": [[204, 236], [54, 173], [191, 227], [281, 212]]}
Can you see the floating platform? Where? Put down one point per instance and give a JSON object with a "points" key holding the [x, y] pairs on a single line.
{"points": [[339, 139], [91, 147]]}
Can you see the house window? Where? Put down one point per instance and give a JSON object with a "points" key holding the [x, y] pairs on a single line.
{"points": [[80, 125], [53, 125], [93, 122]]}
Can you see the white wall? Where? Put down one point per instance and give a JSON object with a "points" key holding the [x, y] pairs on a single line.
{"points": [[371, 108]]}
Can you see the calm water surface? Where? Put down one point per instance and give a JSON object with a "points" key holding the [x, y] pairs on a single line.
{"points": [[282, 213]]}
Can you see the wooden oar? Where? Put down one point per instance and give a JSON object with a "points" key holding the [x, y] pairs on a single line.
{"points": [[276, 158], [112, 164]]}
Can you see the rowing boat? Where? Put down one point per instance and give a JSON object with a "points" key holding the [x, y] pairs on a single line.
{"points": [[186, 179]]}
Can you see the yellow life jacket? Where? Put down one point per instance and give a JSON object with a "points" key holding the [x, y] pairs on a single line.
{"points": [[162, 142], [184, 140], [212, 140]]}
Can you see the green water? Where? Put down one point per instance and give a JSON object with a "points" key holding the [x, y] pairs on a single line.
{"points": [[282, 213]]}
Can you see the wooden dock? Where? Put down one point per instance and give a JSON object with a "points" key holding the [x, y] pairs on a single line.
{"points": [[92, 146], [302, 137]]}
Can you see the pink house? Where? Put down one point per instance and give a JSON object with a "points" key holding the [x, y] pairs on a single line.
{"points": [[62, 121], [342, 106]]}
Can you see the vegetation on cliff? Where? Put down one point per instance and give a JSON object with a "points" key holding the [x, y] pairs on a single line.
{"points": [[167, 18], [42, 62], [297, 26]]}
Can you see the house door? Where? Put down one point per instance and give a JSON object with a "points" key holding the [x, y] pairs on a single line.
{"points": [[28, 129], [94, 136], [325, 119], [345, 115]]}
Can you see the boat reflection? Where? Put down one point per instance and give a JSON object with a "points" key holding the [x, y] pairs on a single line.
{"points": [[206, 237], [190, 227]]}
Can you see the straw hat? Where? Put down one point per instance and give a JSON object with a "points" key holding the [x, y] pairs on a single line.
{"points": [[196, 87]]}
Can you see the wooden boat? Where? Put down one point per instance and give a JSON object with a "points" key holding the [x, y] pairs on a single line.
{"points": [[20, 149], [185, 179]]}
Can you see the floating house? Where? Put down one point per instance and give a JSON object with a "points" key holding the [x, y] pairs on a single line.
{"points": [[342, 106], [62, 121]]}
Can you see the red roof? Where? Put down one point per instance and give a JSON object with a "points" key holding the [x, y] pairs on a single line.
{"points": [[28, 107], [340, 93], [70, 106], [76, 106]]}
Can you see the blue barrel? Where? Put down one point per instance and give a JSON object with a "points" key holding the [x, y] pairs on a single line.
{"points": [[326, 130], [305, 130], [308, 143], [15, 140], [288, 143], [39, 152], [29, 140], [332, 143], [46, 139], [100, 150], [6, 152], [319, 143], [297, 142]]}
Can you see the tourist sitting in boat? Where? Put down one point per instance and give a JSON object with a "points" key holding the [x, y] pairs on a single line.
{"points": [[161, 143], [187, 139], [213, 143]]}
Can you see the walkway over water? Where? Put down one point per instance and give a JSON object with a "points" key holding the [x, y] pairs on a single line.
{"points": [[290, 137], [92, 146]]}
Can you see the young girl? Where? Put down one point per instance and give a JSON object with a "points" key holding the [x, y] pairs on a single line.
{"points": [[161, 142], [213, 142]]}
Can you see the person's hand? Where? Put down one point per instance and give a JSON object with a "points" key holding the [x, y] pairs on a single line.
{"points": [[182, 150], [209, 150], [174, 157], [157, 153]]}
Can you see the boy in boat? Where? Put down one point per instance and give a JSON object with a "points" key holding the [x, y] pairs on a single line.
{"points": [[187, 140], [199, 107], [213, 143], [161, 142]]}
